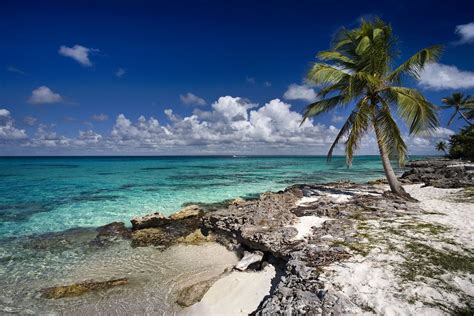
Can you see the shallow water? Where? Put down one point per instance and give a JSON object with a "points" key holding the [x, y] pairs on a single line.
{"points": [[29, 265]]}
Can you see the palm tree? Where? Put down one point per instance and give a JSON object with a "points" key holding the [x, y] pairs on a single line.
{"points": [[441, 146], [358, 69], [460, 104]]}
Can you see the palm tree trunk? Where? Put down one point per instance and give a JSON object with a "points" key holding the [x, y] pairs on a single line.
{"points": [[395, 186], [464, 117]]}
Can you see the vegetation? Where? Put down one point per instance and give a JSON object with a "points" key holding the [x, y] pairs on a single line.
{"points": [[358, 70], [462, 144], [462, 105], [441, 146]]}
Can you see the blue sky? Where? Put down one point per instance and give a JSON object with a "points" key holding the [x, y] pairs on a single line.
{"points": [[77, 76]]}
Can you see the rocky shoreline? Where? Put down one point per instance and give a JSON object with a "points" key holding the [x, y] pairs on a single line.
{"points": [[300, 231]]}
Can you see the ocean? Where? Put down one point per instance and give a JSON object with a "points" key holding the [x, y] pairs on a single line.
{"points": [[50, 207], [39, 195]]}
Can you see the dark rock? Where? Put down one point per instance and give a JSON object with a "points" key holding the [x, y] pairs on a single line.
{"points": [[188, 211], [167, 234], [78, 289], [440, 173], [115, 229], [194, 293], [111, 232], [261, 224], [151, 220]]}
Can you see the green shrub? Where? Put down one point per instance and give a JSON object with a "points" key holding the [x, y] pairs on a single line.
{"points": [[462, 144]]}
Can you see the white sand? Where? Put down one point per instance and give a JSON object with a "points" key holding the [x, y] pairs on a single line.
{"points": [[456, 215], [307, 200], [306, 223], [372, 283], [238, 293]]}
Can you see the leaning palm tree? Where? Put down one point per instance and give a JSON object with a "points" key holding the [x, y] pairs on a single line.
{"points": [[441, 146], [358, 70], [460, 104]]}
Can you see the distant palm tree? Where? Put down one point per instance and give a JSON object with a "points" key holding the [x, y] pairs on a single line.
{"points": [[441, 146], [358, 68], [462, 105]]}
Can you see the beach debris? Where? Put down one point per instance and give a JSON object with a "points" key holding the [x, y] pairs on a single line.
{"points": [[151, 220], [188, 211], [78, 289], [248, 259]]}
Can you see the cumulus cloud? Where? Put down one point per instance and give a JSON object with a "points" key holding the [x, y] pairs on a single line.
{"points": [[44, 95], [46, 137], [78, 53], [439, 76], [440, 132], [191, 99], [300, 92], [465, 32], [232, 125], [233, 122], [8, 131], [120, 72], [100, 117]]}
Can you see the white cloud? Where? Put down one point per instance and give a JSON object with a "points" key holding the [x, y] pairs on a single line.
{"points": [[300, 92], [78, 53], [440, 132], [439, 76], [100, 117], [466, 32], [45, 137], [120, 72], [15, 70], [267, 84], [30, 120], [88, 138], [337, 118], [191, 99], [44, 95], [232, 125], [250, 80], [8, 132]]}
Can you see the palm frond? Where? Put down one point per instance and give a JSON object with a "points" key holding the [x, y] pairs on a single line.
{"points": [[324, 74], [415, 64], [390, 135], [321, 106], [360, 125], [451, 119], [337, 57], [414, 109], [344, 130]]}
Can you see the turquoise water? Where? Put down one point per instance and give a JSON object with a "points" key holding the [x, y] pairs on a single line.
{"points": [[39, 195]]}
